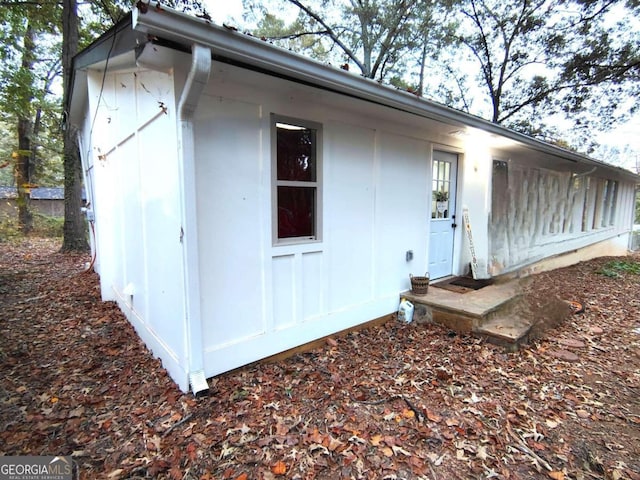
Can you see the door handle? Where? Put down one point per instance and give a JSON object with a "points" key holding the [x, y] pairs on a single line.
{"points": [[454, 225]]}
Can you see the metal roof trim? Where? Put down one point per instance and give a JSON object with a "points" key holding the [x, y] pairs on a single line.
{"points": [[165, 23]]}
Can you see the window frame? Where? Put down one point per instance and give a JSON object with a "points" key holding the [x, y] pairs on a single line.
{"points": [[275, 183], [613, 205], [609, 202]]}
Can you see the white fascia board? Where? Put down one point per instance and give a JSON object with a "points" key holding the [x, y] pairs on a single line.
{"points": [[236, 46], [243, 48]]}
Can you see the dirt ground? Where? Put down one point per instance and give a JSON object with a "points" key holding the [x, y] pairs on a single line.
{"points": [[393, 401]]}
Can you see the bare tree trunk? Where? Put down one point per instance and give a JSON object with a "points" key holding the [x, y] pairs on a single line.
{"points": [[35, 142], [74, 230], [22, 168], [423, 60]]}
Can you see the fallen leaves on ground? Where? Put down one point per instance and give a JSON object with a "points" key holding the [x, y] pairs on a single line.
{"points": [[394, 401]]}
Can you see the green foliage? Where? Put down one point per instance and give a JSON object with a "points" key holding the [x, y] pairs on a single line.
{"points": [[536, 59], [30, 109], [9, 229], [7, 144], [615, 268], [97, 16], [43, 226], [291, 36], [377, 38], [46, 226], [521, 63], [31, 44]]}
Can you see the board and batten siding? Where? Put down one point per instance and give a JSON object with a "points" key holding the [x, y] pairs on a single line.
{"points": [[133, 186], [259, 297], [539, 212]]}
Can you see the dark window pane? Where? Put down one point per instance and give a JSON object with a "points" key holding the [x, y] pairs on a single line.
{"points": [[296, 154], [296, 212]]}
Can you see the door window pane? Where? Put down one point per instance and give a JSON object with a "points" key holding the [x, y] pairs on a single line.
{"points": [[440, 189]]}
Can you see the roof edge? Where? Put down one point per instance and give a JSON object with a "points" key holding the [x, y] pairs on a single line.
{"points": [[154, 20]]}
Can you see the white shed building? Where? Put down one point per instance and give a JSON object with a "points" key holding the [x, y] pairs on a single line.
{"points": [[248, 200]]}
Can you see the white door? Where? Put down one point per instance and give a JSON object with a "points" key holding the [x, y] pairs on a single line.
{"points": [[443, 213]]}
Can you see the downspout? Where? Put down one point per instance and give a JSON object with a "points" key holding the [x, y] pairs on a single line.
{"points": [[194, 86]]}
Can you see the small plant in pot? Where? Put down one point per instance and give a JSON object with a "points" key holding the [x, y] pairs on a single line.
{"points": [[441, 196], [442, 203]]}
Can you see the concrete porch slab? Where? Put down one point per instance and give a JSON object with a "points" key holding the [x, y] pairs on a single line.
{"points": [[477, 303], [492, 312]]}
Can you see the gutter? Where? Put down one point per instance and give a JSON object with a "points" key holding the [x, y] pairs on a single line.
{"points": [[181, 28], [194, 86]]}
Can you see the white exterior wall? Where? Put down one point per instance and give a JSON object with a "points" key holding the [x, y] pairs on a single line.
{"points": [[132, 176], [475, 195], [259, 299], [256, 298]]}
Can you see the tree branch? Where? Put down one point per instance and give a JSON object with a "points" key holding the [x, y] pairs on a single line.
{"points": [[294, 36], [20, 3], [330, 32], [485, 62], [544, 94], [392, 35]]}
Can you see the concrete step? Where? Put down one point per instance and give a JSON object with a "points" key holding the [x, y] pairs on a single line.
{"points": [[507, 331], [493, 312]]}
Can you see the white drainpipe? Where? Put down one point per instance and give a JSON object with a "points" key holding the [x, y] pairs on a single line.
{"points": [[195, 84]]}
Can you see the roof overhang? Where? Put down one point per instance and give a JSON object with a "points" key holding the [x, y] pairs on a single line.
{"points": [[157, 23], [115, 46]]}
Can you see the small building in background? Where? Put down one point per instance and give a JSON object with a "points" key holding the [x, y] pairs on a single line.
{"points": [[47, 201]]}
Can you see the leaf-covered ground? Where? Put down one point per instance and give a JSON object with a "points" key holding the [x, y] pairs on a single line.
{"points": [[389, 402]]}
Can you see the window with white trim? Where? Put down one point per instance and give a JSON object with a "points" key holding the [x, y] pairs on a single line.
{"points": [[296, 180]]}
